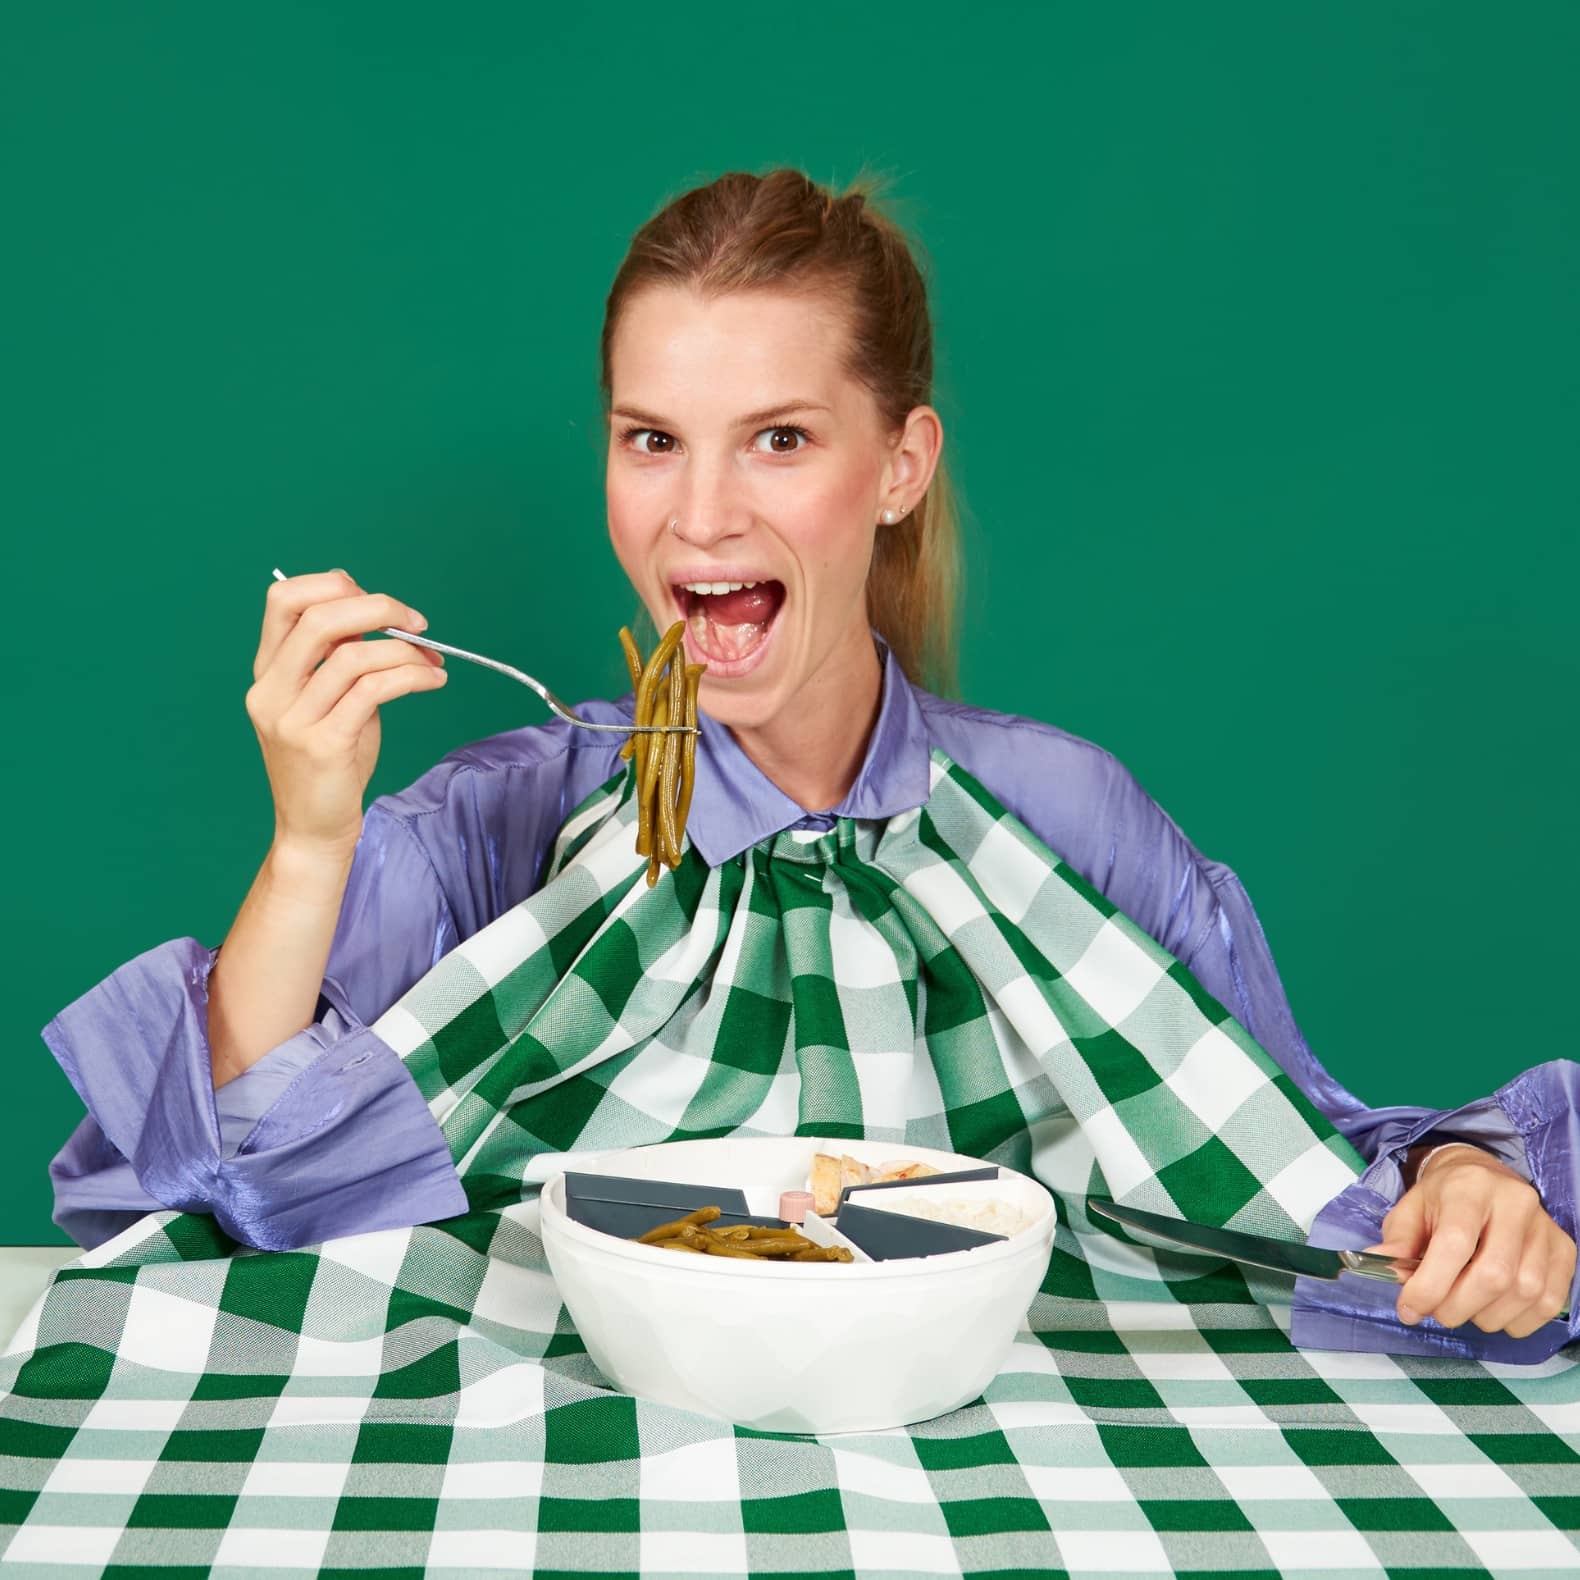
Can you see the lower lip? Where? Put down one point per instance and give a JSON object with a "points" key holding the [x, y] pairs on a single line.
{"points": [[719, 669]]}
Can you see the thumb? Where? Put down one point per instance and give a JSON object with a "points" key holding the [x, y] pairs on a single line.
{"points": [[1404, 1228]]}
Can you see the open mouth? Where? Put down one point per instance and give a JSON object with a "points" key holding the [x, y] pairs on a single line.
{"points": [[728, 623]]}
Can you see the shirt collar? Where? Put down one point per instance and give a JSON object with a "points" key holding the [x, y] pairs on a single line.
{"points": [[734, 804]]}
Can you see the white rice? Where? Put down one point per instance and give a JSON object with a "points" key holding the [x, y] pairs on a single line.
{"points": [[991, 1217]]}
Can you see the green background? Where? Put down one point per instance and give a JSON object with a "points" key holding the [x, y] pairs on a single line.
{"points": [[1258, 343]]}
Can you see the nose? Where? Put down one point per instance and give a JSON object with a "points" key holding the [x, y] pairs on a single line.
{"points": [[710, 508], [702, 535]]}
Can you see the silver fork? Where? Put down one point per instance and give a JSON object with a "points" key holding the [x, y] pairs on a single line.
{"points": [[560, 708]]}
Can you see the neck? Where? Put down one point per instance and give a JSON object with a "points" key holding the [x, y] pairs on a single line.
{"points": [[814, 750]]}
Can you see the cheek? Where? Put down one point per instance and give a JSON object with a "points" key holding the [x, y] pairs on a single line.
{"points": [[620, 541], [624, 535], [636, 506], [843, 553], [837, 534]]}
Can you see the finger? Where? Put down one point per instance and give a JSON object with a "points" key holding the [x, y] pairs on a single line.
{"points": [[1492, 1272], [286, 600], [1452, 1244], [1527, 1287], [1559, 1289], [411, 647], [349, 661], [1404, 1227], [347, 719], [322, 625]]}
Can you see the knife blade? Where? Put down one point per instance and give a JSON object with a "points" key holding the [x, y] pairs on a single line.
{"points": [[1260, 1250]]}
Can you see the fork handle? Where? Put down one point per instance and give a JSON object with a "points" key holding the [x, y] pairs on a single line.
{"points": [[554, 702]]}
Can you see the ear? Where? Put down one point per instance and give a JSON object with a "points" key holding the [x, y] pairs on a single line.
{"points": [[914, 458]]}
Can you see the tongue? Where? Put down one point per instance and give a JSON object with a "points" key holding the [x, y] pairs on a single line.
{"points": [[749, 606]]}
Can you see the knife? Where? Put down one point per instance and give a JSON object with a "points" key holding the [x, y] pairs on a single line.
{"points": [[1260, 1250]]}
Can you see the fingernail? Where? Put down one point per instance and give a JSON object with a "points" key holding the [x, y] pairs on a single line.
{"points": [[1409, 1314], [419, 622]]}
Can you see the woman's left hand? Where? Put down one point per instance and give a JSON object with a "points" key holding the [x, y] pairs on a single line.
{"points": [[1489, 1252]]}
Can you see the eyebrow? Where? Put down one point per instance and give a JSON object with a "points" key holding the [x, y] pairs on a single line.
{"points": [[784, 409]]}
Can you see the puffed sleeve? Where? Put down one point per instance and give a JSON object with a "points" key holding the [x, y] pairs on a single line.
{"points": [[1542, 1107], [325, 1135], [1529, 1124]]}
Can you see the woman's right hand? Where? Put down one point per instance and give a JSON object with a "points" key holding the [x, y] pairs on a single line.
{"points": [[314, 702]]}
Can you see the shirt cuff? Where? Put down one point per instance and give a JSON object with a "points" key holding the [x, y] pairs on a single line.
{"points": [[332, 1138], [244, 1099], [1531, 1124]]}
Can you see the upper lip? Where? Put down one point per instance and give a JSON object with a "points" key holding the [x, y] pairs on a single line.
{"points": [[718, 573]]}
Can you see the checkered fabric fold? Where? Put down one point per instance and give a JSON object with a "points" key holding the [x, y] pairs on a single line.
{"points": [[418, 1399]]}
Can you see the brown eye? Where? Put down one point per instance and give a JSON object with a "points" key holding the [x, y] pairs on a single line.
{"points": [[784, 431], [628, 434]]}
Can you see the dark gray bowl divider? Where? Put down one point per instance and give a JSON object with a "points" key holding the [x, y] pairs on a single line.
{"points": [[624, 1207], [886, 1236]]}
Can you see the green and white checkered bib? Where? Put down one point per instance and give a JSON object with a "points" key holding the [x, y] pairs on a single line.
{"points": [[939, 977], [418, 1399]]}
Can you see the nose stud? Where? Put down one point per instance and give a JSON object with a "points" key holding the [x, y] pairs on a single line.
{"points": [[674, 524]]}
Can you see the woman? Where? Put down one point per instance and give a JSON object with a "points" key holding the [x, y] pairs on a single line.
{"points": [[775, 479]]}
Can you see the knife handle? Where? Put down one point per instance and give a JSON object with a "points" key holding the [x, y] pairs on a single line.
{"points": [[1372, 1264], [1393, 1269]]}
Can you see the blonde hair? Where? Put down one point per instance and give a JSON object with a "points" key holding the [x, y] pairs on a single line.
{"points": [[782, 230]]}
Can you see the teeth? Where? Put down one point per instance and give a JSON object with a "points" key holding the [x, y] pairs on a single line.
{"points": [[710, 589]]}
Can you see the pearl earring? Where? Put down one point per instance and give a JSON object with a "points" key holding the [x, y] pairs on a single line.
{"points": [[889, 518]]}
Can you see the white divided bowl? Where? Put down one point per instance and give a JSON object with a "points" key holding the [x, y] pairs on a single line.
{"points": [[788, 1347]]}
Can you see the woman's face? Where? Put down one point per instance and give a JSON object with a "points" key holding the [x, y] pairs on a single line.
{"points": [[733, 417]]}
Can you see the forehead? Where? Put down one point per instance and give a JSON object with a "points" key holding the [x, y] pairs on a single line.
{"points": [[682, 354]]}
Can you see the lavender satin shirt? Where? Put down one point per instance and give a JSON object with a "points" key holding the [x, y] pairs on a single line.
{"points": [[327, 1135]]}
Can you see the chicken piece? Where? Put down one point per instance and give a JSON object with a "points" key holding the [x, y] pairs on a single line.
{"points": [[902, 1171], [852, 1171], [824, 1184]]}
